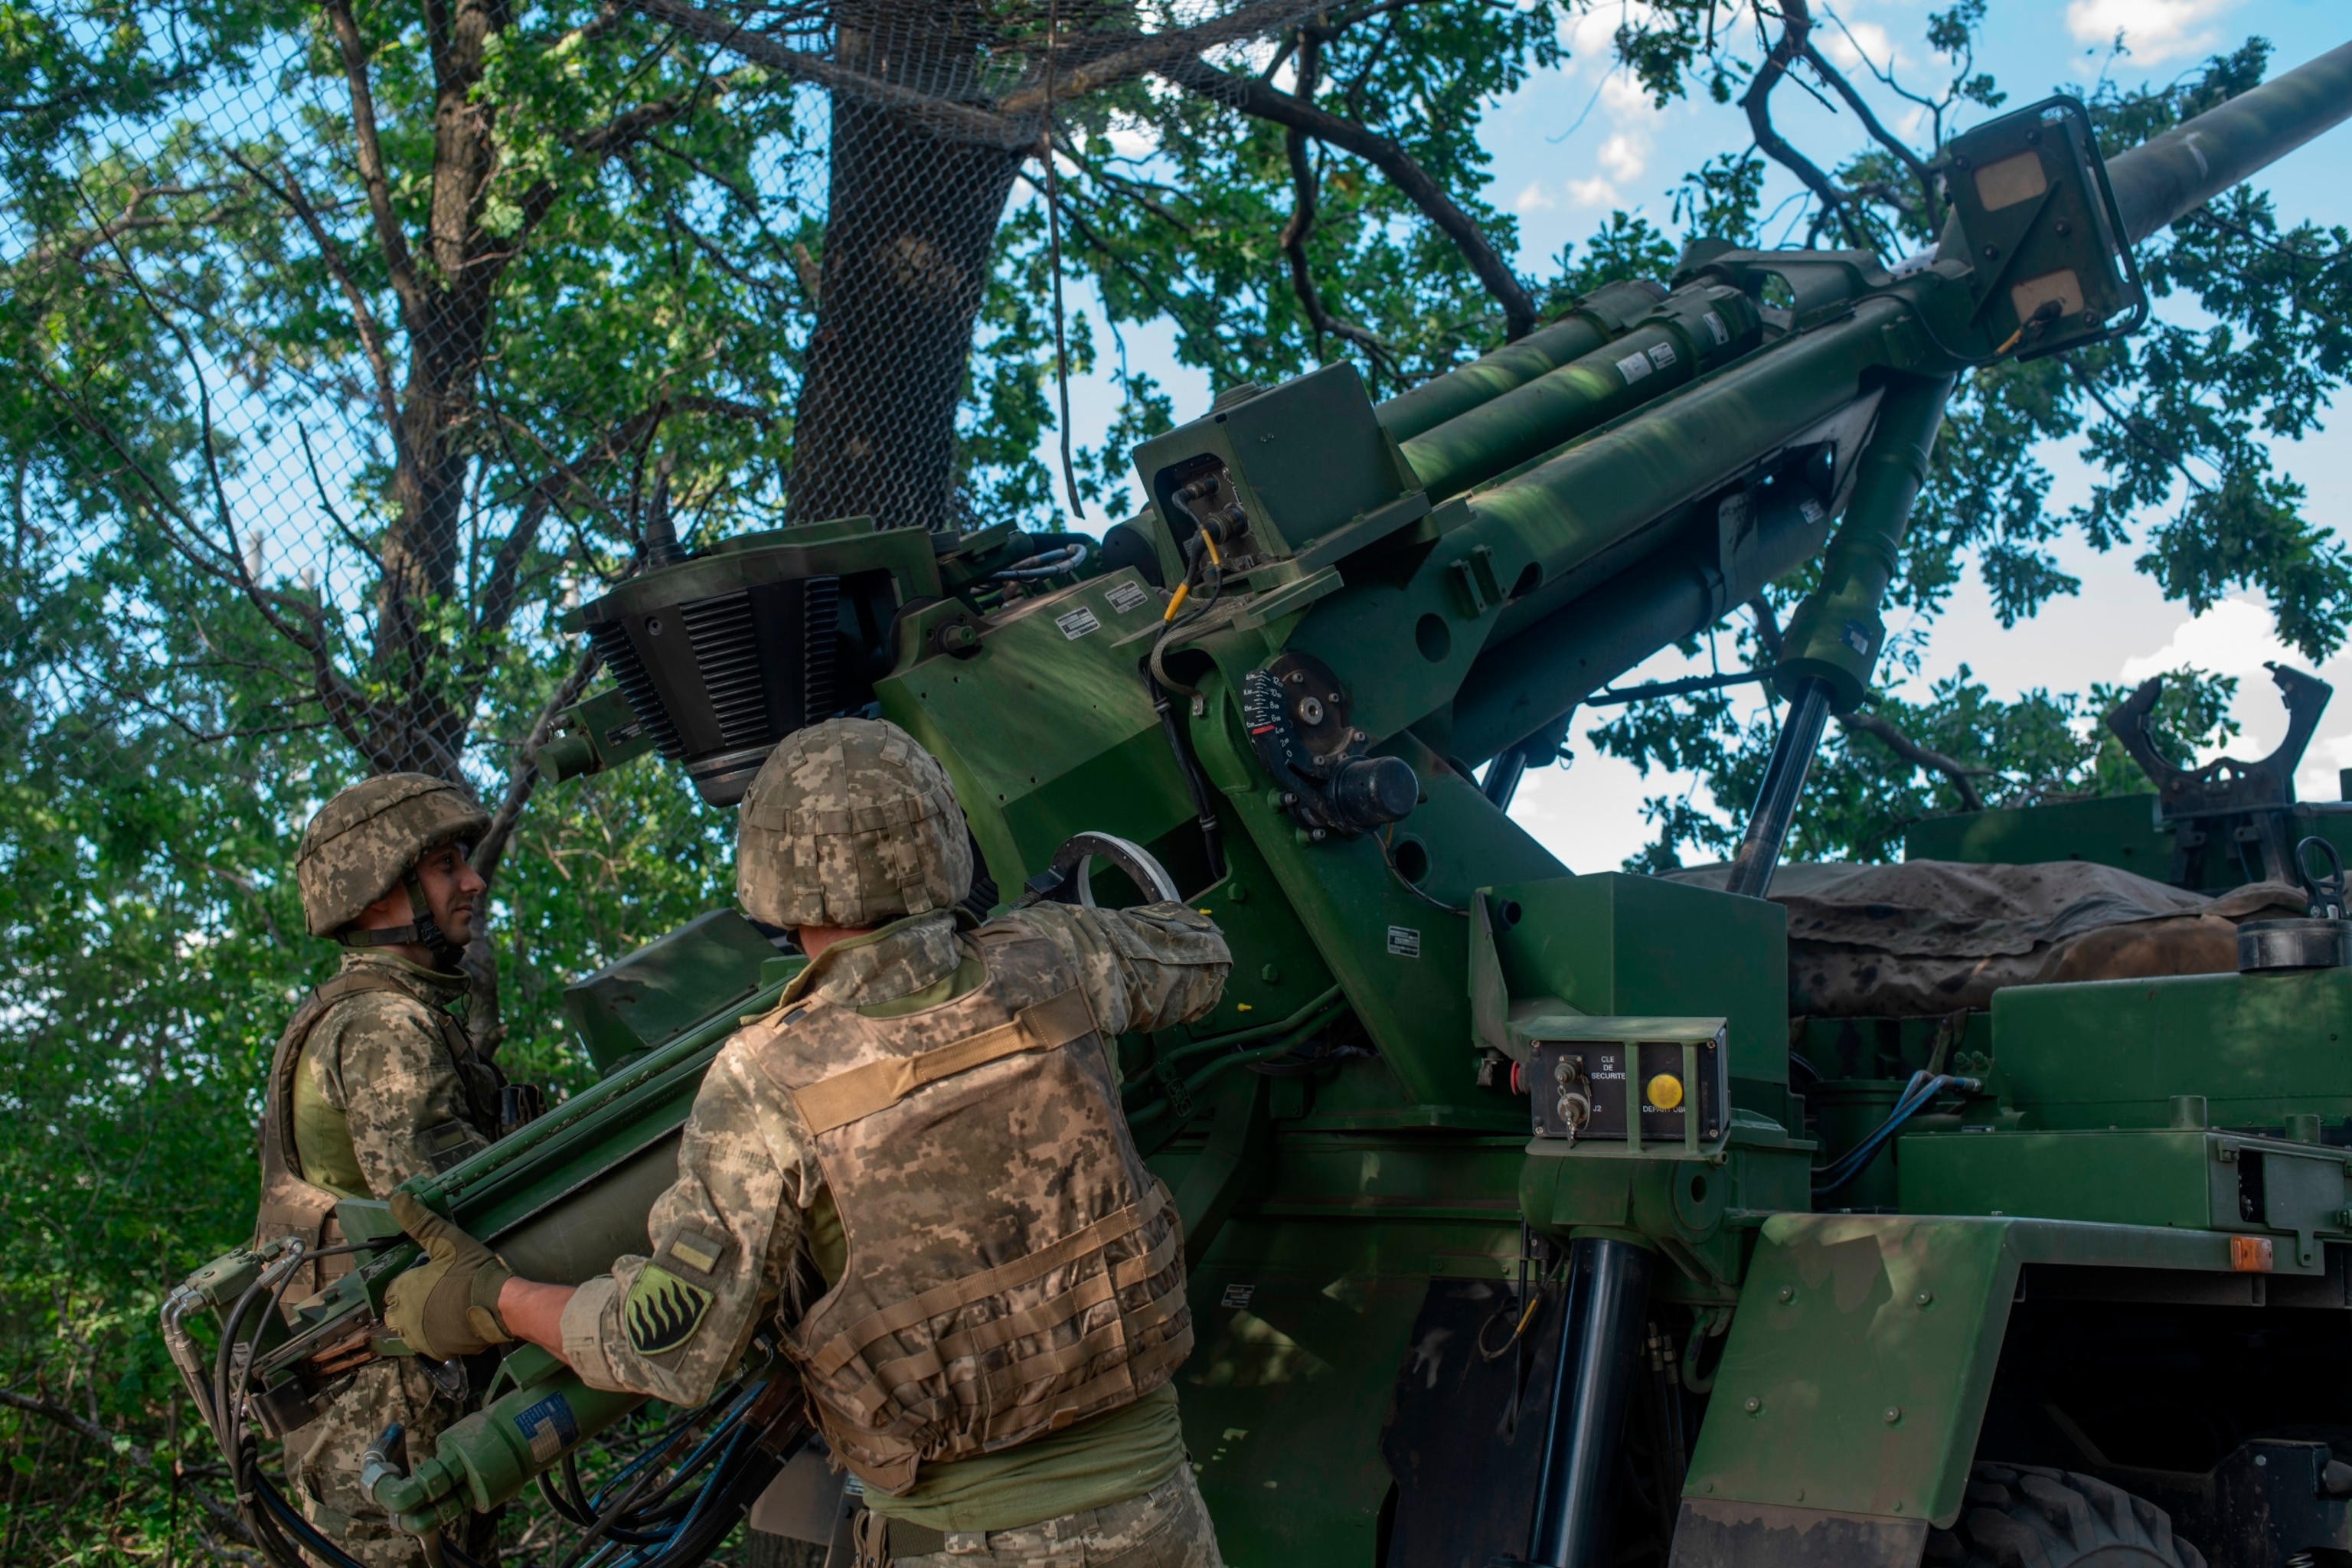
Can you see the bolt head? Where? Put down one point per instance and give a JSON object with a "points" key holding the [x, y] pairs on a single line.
{"points": [[1894, 1413], [1754, 1404], [1991, 252], [1924, 1297], [1788, 1293]]}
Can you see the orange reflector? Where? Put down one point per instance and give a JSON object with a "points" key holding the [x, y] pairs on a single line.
{"points": [[2250, 1255]]}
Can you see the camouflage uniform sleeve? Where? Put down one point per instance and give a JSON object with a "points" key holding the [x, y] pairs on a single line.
{"points": [[726, 1238], [379, 1060], [1148, 968]]}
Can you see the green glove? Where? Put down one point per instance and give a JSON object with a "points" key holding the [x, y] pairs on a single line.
{"points": [[447, 1306]]}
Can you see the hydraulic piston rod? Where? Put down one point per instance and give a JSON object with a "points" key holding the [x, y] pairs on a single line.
{"points": [[1600, 1335], [1834, 638]]}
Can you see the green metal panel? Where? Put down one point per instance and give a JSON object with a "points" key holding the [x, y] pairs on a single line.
{"points": [[1856, 1372], [2188, 1178], [630, 1006], [1302, 1312], [1401, 955], [1048, 729], [2258, 1047], [2119, 830], [1305, 458], [1403, 638], [1616, 945]]}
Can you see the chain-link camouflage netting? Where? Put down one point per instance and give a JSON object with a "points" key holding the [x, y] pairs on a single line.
{"points": [[386, 331]]}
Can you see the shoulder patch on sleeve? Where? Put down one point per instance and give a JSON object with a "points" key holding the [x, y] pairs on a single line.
{"points": [[662, 1312], [451, 1144], [695, 1255]]}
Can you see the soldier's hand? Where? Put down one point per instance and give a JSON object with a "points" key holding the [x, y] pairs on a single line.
{"points": [[447, 1306]]}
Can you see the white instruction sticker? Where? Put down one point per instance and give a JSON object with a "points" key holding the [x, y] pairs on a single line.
{"points": [[1237, 1296], [1403, 942], [1125, 598], [1633, 367], [1663, 354], [1078, 623], [1716, 329]]}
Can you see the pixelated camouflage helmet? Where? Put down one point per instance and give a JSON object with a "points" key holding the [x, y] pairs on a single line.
{"points": [[365, 842], [850, 823]]}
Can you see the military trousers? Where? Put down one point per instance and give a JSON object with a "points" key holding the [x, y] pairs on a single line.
{"points": [[1167, 1527], [322, 1461]]}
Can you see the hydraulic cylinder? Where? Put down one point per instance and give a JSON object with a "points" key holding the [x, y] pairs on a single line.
{"points": [[1592, 1381]]}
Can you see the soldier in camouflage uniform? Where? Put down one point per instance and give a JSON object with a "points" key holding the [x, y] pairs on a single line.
{"points": [[375, 1082], [916, 1159]]}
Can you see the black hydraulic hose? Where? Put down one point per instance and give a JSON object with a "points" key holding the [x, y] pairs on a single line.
{"points": [[1213, 839], [1784, 783], [1599, 1340]]}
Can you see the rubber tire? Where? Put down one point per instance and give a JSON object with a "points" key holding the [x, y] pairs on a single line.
{"points": [[2023, 1516], [761, 1550]]}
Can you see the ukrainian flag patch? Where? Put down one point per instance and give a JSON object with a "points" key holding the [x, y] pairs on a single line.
{"points": [[662, 1310]]}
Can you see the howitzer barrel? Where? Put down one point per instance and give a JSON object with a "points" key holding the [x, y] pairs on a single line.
{"points": [[1603, 314], [1589, 513], [1689, 333], [2170, 175], [1597, 509]]}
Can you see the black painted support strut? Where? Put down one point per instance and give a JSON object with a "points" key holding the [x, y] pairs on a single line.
{"points": [[1599, 1340], [1784, 784]]}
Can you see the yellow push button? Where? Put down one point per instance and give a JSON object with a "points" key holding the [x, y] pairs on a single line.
{"points": [[1666, 1091]]}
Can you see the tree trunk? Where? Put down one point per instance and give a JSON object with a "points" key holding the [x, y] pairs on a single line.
{"points": [[909, 239]]}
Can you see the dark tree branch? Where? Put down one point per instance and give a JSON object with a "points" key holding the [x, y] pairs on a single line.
{"points": [[484, 1022], [1962, 777], [1900, 149], [47, 1410], [373, 177], [1305, 188], [1255, 99], [372, 342], [801, 65], [522, 771], [1767, 628], [1157, 52], [1796, 27], [2135, 426]]}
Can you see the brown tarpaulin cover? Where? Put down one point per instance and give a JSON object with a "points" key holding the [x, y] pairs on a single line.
{"points": [[1930, 937]]}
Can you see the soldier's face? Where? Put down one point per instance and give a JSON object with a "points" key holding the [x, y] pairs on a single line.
{"points": [[452, 889]]}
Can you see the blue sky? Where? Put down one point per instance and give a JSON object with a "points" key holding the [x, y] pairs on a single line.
{"points": [[1577, 141]]}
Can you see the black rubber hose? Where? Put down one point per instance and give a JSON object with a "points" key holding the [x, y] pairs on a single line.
{"points": [[1211, 834]]}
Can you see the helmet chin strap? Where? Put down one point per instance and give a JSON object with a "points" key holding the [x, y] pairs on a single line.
{"points": [[421, 929]]}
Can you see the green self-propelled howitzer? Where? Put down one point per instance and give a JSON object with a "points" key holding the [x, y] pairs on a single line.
{"points": [[1507, 1236]]}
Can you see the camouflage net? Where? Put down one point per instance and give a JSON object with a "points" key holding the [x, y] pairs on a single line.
{"points": [[290, 337], [935, 109]]}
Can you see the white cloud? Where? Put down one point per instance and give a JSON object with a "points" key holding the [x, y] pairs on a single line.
{"points": [[1591, 34], [1624, 155], [1622, 158], [2154, 30], [1624, 97], [1876, 47], [1131, 138], [2233, 638], [1534, 199]]}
